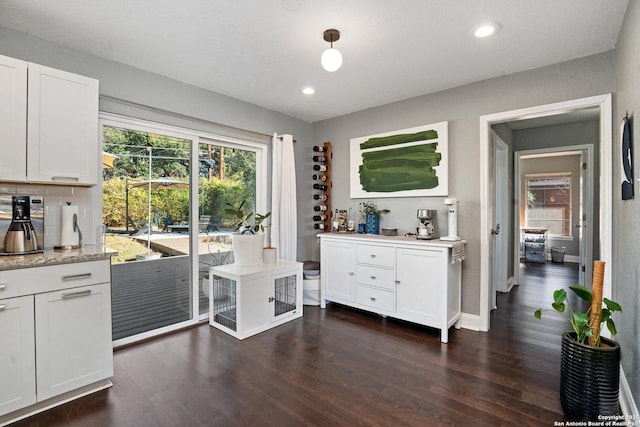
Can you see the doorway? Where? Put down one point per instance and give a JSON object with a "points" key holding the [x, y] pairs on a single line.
{"points": [[554, 191], [603, 104]]}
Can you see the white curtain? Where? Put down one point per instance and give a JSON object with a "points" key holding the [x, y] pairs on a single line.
{"points": [[284, 232]]}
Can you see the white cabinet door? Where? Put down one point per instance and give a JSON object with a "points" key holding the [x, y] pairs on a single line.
{"points": [[286, 297], [62, 132], [420, 285], [13, 119], [17, 354], [338, 270], [73, 332]]}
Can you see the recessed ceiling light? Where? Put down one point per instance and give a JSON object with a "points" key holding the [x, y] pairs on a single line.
{"points": [[485, 30], [308, 90]]}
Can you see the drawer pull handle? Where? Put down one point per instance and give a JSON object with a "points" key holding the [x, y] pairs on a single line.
{"points": [[351, 273], [373, 298], [76, 276], [373, 277], [373, 255], [3, 286], [65, 178], [76, 294], [2, 307], [271, 299], [397, 282]]}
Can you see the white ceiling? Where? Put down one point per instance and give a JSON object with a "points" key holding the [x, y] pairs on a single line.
{"points": [[266, 51]]}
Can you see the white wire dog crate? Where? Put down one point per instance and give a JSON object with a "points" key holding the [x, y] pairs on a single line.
{"points": [[251, 299]]}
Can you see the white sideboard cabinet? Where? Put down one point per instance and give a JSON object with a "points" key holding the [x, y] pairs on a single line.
{"points": [[55, 329], [246, 300], [400, 277], [48, 125]]}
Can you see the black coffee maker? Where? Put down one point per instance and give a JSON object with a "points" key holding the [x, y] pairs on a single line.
{"points": [[21, 236]]}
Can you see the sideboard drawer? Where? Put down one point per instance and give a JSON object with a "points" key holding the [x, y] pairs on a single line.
{"points": [[376, 276], [382, 256], [378, 299]]}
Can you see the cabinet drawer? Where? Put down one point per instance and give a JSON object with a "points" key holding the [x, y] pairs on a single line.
{"points": [[377, 299], [376, 276], [382, 256], [36, 280]]}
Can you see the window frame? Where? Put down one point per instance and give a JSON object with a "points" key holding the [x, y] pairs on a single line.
{"points": [[569, 205]]}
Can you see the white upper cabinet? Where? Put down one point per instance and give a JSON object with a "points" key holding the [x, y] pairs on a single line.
{"points": [[13, 119], [62, 127], [48, 125]]}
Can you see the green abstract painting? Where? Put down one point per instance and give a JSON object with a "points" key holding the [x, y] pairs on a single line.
{"points": [[404, 163]]}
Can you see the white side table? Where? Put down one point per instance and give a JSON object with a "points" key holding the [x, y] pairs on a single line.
{"points": [[248, 299]]}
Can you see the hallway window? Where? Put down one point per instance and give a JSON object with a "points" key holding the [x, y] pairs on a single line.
{"points": [[549, 203]]}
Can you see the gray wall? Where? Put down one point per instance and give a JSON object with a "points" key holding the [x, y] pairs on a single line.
{"points": [[579, 133], [461, 107], [543, 165], [626, 224]]}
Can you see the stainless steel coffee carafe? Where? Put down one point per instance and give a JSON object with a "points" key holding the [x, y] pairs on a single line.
{"points": [[21, 236]]}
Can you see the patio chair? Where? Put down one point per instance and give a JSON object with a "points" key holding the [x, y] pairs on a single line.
{"points": [[203, 223], [166, 222], [214, 225]]}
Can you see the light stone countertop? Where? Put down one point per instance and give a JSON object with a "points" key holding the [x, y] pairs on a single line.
{"points": [[53, 257]]}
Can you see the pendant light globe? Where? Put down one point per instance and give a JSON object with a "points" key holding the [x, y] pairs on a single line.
{"points": [[331, 59]]}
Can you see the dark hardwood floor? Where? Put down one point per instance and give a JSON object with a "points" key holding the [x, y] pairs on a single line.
{"points": [[342, 367]]}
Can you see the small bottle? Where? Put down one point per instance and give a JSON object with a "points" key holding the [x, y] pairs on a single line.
{"points": [[320, 208], [322, 197], [321, 159], [318, 226], [321, 217], [320, 177], [318, 148], [319, 187], [320, 168]]}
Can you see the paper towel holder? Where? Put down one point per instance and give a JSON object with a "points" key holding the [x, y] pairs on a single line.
{"points": [[76, 228]]}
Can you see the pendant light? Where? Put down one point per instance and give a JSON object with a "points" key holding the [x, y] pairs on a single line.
{"points": [[331, 58]]}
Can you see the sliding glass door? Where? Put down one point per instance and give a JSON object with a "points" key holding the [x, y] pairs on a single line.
{"points": [[165, 195]]}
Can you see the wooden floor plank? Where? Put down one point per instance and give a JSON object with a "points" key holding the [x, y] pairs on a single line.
{"points": [[342, 366]]}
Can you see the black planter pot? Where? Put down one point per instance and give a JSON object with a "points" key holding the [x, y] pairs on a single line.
{"points": [[589, 379]]}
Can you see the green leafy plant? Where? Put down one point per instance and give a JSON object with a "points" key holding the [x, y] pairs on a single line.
{"points": [[246, 225], [370, 208], [586, 324]]}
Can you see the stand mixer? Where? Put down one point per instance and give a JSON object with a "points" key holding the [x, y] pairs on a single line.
{"points": [[428, 227]]}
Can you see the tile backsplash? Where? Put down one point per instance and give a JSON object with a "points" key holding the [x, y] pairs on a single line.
{"points": [[88, 200]]}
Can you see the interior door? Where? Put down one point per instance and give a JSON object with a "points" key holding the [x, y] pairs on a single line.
{"points": [[585, 223], [499, 240]]}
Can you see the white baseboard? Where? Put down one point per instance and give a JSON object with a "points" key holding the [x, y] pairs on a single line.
{"points": [[627, 404], [470, 321]]}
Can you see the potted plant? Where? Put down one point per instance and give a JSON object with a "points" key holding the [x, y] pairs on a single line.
{"points": [[247, 242], [590, 363], [370, 212]]}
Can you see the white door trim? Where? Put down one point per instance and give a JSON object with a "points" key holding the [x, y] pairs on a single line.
{"points": [[603, 102]]}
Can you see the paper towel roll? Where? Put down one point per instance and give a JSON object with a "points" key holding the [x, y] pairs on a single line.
{"points": [[68, 237]]}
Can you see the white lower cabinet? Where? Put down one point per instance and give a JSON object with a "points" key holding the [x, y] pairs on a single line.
{"points": [[55, 330], [402, 278], [338, 270], [246, 300], [73, 336], [17, 354]]}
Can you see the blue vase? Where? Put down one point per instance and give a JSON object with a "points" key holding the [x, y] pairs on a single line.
{"points": [[373, 224]]}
